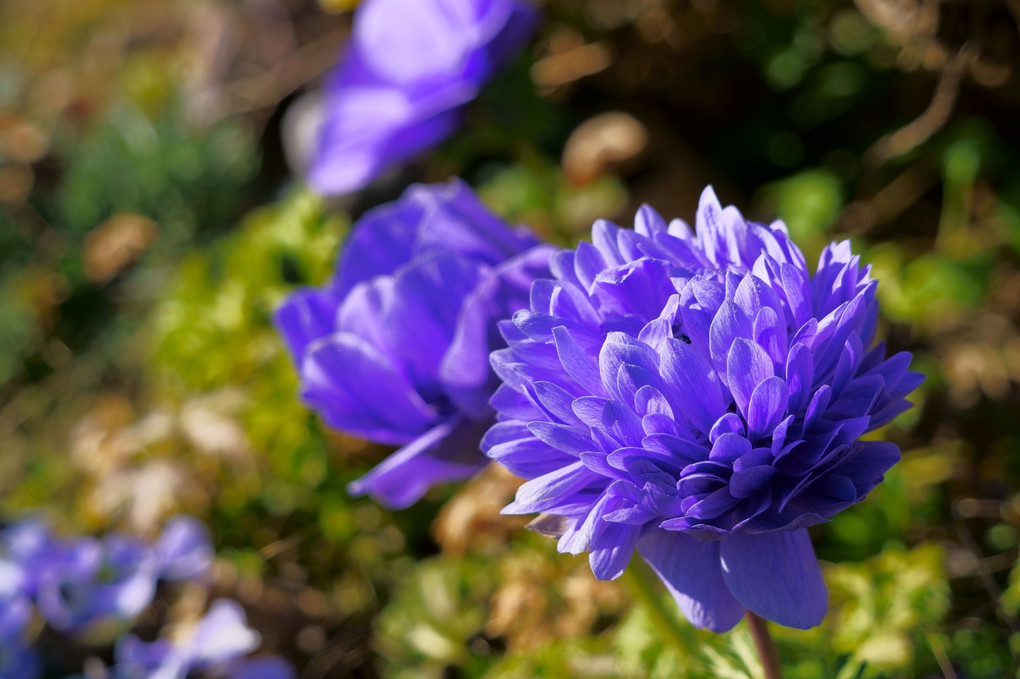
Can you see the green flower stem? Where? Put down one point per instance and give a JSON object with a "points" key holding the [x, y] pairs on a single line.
{"points": [[643, 588], [766, 647]]}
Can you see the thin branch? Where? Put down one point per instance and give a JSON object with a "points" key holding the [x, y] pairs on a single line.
{"points": [[934, 117], [940, 657]]}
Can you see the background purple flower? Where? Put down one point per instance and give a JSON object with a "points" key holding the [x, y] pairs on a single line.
{"points": [[408, 70], [265, 667], [29, 545], [699, 398], [395, 349], [15, 612], [184, 549], [90, 581], [215, 647], [221, 638], [137, 659], [17, 659]]}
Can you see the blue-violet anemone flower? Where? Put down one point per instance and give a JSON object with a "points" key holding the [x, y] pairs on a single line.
{"points": [[408, 71], [395, 348], [698, 397]]}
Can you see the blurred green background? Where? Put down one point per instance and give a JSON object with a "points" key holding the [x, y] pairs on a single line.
{"points": [[149, 225]]}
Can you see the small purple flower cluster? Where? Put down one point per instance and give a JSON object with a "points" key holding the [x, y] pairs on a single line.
{"points": [[85, 586]]}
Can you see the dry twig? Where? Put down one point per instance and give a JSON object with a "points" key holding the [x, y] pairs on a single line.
{"points": [[934, 117]]}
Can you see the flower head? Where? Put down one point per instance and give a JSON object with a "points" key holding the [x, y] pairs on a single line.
{"points": [[215, 646], [29, 546], [184, 549], [409, 69], [265, 667], [698, 397], [395, 349], [90, 581], [17, 659]]}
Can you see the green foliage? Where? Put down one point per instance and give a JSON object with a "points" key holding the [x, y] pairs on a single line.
{"points": [[909, 495], [569, 658], [929, 290], [19, 332], [882, 604], [539, 195], [435, 617], [1010, 599], [185, 179], [809, 203], [639, 644], [214, 329]]}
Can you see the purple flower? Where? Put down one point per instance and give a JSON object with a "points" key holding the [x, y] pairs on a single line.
{"points": [[698, 398], [13, 581], [408, 71], [265, 667], [90, 581], [137, 659], [15, 612], [28, 545], [395, 349], [18, 660], [184, 549], [216, 647], [221, 638]]}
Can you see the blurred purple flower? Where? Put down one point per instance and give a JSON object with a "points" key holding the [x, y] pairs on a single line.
{"points": [[137, 659], [395, 349], [698, 398], [17, 659], [215, 647], [266, 667], [221, 638], [13, 580], [15, 612], [409, 69], [90, 581], [29, 545], [184, 549]]}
